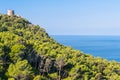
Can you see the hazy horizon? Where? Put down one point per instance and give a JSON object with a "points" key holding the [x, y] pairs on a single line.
{"points": [[68, 17]]}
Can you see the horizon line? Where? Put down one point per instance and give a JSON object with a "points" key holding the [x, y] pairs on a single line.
{"points": [[78, 35]]}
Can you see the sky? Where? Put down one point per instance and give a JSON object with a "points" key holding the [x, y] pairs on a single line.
{"points": [[69, 17]]}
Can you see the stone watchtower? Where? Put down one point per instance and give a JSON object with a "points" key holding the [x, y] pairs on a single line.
{"points": [[10, 12]]}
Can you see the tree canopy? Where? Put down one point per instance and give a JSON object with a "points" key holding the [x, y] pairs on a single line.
{"points": [[27, 52]]}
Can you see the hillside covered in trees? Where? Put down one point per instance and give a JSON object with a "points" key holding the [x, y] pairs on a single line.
{"points": [[27, 52]]}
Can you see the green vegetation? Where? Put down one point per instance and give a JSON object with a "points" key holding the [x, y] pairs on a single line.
{"points": [[27, 52]]}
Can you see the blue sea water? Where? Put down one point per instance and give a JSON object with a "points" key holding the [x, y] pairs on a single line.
{"points": [[107, 47]]}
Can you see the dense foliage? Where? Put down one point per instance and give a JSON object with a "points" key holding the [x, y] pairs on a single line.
{"points": [[27, 52]]}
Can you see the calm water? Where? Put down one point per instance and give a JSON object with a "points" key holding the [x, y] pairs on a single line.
{"points": [[103, 46]]}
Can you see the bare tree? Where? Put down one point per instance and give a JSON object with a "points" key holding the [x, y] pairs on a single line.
{"points": [[60, 63], [47, 66]]}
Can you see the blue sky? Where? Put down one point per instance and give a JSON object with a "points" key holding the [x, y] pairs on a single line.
{"points": [[69, 17]]}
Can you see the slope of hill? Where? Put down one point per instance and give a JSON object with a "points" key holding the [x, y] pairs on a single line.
{"points": [[27, 52]]}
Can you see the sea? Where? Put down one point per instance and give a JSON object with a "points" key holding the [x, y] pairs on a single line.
{"points": [[107, 47]]}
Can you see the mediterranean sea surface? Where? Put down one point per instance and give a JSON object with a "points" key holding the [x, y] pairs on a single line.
{"points": [[107, 47]]}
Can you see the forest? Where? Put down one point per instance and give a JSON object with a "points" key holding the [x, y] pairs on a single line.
{"points": [[27, 52]]}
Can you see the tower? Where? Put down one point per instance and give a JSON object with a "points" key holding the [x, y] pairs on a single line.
{"points": [[10, 13]]}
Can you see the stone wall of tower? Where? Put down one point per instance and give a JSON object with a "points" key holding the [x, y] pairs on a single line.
{"points": [[10, 13]]}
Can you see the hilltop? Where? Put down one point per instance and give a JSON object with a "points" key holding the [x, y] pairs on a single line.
{"points": [[27, 52]]}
